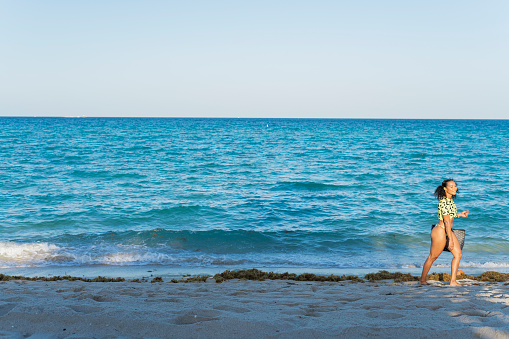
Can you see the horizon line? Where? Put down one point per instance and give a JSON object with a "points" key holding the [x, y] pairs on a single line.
{"points": [[219, 117]]}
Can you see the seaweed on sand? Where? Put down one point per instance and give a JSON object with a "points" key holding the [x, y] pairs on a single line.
{"points": [[255, 274], [197, 278], [4, 277], [447, 276], [384, 275], [493, 276], [258, 275]]}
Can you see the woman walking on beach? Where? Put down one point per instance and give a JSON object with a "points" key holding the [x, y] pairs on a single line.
{"points": [[441, 234]]}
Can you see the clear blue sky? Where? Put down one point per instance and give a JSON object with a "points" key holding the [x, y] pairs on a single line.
{"points": [[330, 59]]}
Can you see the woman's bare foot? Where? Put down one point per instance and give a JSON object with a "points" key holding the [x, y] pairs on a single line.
{"points": [[423, 282], [454, 283]]}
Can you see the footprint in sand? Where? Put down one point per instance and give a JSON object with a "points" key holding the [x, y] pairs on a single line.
{"points": [[472, 313], [317, 310], [194, 317], [232, 309], [85, 309], [381, 315], [98, 298], [131, 293], [6, 308], [13, 299], [489, 294]]}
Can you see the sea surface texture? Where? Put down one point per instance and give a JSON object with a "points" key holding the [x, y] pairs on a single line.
{"points": [[244, 193]]}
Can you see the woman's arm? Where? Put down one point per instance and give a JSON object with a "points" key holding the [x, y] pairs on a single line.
{"points": [[463, 214]]}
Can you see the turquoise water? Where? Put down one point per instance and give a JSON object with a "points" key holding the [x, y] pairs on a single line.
{"points": [[243, 193]]}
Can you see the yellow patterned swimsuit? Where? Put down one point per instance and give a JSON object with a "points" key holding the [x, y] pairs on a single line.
{"points": [[446, 207]]}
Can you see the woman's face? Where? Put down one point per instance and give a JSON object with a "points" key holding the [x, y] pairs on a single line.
{"points": [[451, 188]]}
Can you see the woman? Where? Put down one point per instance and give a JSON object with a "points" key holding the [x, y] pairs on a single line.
{"points": [[441, 234]]}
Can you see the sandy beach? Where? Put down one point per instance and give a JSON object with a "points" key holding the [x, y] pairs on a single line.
{"points": [[249, 309]]}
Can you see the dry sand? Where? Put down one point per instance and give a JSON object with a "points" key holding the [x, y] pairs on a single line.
{"points": [[252, 309]]}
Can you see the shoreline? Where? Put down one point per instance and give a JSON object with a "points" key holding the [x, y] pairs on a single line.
{"points": [[168, 273], [153, 276]]}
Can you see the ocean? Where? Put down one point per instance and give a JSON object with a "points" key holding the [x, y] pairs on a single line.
{"points": [[191, 194]]}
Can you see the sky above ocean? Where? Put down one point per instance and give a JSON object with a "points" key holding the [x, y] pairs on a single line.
{"points": [[322, 59]]}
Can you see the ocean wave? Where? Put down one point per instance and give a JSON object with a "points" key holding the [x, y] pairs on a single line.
{"points": [[40, 254], [25, 253], [349, 248], [48, 254], [313, 241], [122, 258], [489, 264], [14, 254], [486, 265]]}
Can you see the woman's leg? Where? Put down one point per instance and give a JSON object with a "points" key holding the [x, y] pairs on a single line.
{"points": [[455, 264], [438, 240]]}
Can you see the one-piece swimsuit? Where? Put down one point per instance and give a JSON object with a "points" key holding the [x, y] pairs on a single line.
{"points": [[446, 206]]}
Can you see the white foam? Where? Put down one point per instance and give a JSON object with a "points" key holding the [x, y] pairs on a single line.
{"points": [[485, 265], [14, 254], [488, 264], [40, 254], [123, 258], [11, 252]]}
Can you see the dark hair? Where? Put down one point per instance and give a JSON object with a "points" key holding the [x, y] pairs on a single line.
{"points": [[440, 191]]}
